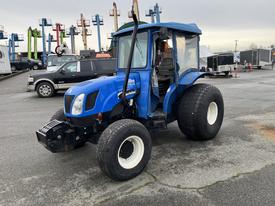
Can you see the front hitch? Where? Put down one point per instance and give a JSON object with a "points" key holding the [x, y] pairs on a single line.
{"points": [[59, 136]]}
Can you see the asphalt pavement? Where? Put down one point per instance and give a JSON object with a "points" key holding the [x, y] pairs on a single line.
{"points": [[236, 168]]}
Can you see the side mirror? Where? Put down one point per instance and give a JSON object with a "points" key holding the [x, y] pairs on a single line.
{"points": [[62, 71]]}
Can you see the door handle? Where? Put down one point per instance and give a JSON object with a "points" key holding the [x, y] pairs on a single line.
{"points": [[73, 75]]}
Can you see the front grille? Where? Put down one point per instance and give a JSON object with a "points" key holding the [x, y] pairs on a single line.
{"points": [[90, 100], [68, 102], [49, 126]]}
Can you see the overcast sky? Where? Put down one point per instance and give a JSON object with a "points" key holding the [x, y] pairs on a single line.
{"points": [[222, 22]]}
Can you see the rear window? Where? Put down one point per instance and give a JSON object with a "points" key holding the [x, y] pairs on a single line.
{"points": [[85, 66], [106, 65]]}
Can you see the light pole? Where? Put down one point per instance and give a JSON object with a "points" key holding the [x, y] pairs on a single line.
{"points": [[14, 38], [59, 28], [98, 21], [72, 32], [50, 40], [84, 23], [115, 13], [43, 23], [157, 11], [150, 13]]}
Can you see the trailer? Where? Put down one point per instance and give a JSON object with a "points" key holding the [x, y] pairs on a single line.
{"points": [[221, 63], [257, 57], [5, 67]]}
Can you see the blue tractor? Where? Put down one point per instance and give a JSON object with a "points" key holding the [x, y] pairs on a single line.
{"points": [[155, 84]]}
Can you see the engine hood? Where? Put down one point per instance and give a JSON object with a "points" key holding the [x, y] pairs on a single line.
{"points": [[107, 89]]}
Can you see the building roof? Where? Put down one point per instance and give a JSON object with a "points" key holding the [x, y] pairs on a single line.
{"points": [[190, 28]]}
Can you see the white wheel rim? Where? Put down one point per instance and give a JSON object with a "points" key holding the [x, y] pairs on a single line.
{"points": [[45, 90], [136, 155], [212, 113]]}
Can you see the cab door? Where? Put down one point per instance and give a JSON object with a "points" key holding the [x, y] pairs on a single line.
{"points": [[67, 76]]}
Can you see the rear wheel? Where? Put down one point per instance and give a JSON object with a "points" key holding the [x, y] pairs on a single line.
{"points": [[124, 149], [200, 112], [45, 89]]}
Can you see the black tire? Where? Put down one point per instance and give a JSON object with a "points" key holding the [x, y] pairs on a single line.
{"points": [[13, 68], [193, 119], [226, 73], [43, 93], [60, 116], [113, 148], [35, 67]]}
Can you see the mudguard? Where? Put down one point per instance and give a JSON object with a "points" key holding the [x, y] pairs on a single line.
{"points": [[174, 92]]}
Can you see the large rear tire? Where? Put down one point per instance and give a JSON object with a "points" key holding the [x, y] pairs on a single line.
{"points": [[124, 149], [200, 112]]}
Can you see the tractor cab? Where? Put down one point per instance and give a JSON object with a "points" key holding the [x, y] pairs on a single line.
{"points": [[164, 57]]}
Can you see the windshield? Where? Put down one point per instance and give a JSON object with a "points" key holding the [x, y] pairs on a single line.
{"points": [[140, 51], [58, 61]]}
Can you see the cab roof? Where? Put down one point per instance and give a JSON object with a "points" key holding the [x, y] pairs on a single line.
{"points": [[189, 28]]}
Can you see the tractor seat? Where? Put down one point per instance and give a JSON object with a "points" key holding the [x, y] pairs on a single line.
{"points": [[165, 75], [165, 70]]}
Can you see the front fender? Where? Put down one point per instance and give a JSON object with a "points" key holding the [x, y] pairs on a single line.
{"points": [[175, 91]]}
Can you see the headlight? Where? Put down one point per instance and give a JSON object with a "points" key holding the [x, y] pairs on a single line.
{"points": [[78, 105], [30, 79]]}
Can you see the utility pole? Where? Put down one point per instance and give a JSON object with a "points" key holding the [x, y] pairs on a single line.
{"points": [[72, 32], [43, 23], [236, 45], [84, 23], [115, 13], [98, 21]]}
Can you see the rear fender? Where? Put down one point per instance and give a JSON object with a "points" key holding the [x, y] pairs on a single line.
{"points": [[175, 92]]}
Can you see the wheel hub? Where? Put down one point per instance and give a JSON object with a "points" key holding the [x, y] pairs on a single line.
{"points": [[45, 90], [130, 152], [212, 113], [126, 150]]}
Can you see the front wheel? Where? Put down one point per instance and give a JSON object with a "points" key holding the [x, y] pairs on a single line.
{"points": [[45, 89], [124, 149], [200, 112]]}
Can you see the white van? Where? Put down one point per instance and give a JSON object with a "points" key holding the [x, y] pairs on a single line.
{"points": [[5, 67]]}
